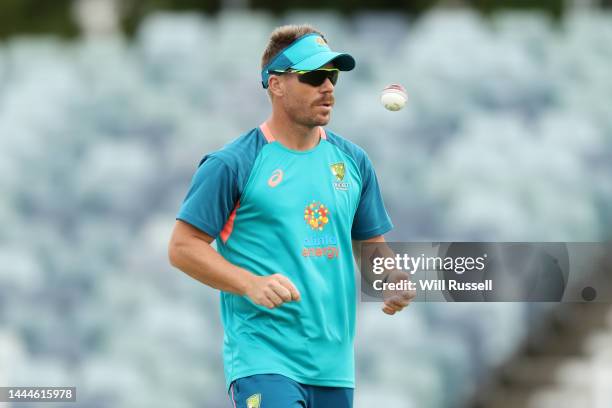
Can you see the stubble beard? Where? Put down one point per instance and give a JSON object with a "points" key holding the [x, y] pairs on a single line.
{"points": [[306, 117]]}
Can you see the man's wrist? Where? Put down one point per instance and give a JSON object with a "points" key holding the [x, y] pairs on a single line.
{"points": [[245, 281], [386, 277], [395, 274], [390, 274]]}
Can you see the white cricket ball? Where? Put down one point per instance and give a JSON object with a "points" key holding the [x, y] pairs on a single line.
{"points": [[394, 97]]}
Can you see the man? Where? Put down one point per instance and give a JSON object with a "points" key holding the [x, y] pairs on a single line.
{"points": [[285, 203]]}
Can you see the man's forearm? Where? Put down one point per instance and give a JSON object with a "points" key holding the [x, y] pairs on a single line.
{"points": [[200, 261], [365, 254]]}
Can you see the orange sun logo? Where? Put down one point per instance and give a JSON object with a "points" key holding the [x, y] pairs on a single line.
{"points": [[316, 215]]}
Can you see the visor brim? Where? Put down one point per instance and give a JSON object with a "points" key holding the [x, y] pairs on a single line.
{"points": [[344, 62]]}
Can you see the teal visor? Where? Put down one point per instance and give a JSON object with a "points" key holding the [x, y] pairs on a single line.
{"points": [[307, 53]]}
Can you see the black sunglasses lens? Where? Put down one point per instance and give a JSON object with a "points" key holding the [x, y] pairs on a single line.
{"points": [[316, 78], [333, 77]]}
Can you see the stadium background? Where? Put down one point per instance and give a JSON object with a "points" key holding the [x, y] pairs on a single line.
{"points": [[106, 108]]}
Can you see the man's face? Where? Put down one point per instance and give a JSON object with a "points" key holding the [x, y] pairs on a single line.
{"points": [[305, 104]]}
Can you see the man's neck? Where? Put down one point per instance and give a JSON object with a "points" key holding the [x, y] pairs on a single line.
{"points": [[292, 135]]}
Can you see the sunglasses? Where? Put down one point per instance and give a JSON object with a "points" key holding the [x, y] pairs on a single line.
{"points": [[313, 78]]}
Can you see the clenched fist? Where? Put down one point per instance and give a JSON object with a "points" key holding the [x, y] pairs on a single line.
{"points": [[272, 291], [397, 300]]}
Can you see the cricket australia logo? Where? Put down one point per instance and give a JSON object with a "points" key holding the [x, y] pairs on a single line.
{"points": [[338, 170]]}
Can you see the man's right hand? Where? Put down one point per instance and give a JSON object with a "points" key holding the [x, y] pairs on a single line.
{"points": [[271, 291]]}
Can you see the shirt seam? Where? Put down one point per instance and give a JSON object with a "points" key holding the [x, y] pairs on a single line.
{"points": [[226, 165]]}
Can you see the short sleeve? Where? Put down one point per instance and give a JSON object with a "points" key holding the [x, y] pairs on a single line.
{"points": [[371, 218], [211, 197]]}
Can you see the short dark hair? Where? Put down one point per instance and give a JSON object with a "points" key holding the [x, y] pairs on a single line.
{"points": [[282, 36]]}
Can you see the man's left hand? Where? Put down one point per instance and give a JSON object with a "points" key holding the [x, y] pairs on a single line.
{"points": [[397, 300]]}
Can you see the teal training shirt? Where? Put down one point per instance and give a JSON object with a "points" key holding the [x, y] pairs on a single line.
{"points": [[276, 210]]}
